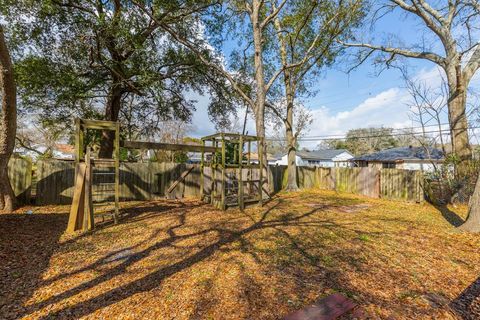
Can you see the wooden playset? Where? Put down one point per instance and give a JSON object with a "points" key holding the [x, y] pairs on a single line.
{"points": [[229, 176]]}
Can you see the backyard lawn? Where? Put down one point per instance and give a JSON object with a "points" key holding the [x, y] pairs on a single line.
{"points": [[185, 260]]}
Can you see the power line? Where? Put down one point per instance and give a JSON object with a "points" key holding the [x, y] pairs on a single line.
{"points": [[379, 136], [340, 135], [326, 138], [393, 129]]}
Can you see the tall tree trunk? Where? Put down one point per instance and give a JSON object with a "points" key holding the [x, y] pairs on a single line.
{"points": [[262, 154], [457, 116], [460, 144], [112, 110], [114, 101], [292, 164], [8, 124], [288, 121], [459, 126], [472, 224], [260, 89], [291, 140]]}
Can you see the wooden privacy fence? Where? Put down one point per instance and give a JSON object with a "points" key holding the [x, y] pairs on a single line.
{"points": [[54, 182], [402, 184], [147, 181], [372, 182], [364, 181], [138, 181], [20, 175]]}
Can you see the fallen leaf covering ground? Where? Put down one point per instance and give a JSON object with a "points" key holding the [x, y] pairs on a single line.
{"points": [[186, 260]]}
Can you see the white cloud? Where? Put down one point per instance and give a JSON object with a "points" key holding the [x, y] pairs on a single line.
{"points": [[432, 77], [388, 108], [202, 126]]}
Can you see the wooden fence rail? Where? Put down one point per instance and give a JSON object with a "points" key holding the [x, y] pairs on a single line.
{"points": [[147, 181]]}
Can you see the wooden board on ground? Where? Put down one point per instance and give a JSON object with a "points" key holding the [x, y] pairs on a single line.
{"points": [[75, 220]]}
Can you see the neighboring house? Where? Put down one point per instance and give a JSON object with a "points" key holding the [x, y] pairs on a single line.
{"points": [[409, 158], [271, 160], [64, 151], [194, 157], [60, 151], [320, 158]]}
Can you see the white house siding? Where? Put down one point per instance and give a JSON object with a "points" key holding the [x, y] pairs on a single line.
{"points": [[63, 156], [417, 165], [326, 163], [340, 160], [284, 161], [269, 162], [319, 163]]}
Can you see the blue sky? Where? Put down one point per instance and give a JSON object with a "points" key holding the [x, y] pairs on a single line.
{"points": [[361, 98]]}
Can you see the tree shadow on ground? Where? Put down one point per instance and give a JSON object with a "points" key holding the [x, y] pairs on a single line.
{"points": [[153, 209], [452, 218], [27, 243], [467, 304], [190, 245], [225, 236]]}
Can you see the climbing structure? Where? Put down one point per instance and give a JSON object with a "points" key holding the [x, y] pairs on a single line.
{"points": [[104, 173], [229, 175]]}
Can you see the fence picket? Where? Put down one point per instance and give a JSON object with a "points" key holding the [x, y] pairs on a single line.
{"points": [[20, 176]]}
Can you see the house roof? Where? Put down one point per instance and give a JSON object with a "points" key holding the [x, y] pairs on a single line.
{"points": [[65, 148], [402, 153], [326, 154]]}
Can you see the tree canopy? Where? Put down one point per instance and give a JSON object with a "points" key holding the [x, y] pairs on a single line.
{"points": [[107, 60], [367, 140]]}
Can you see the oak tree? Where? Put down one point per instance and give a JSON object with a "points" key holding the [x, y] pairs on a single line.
{"points": [[8, 123], [305, 37], [453, 24]]}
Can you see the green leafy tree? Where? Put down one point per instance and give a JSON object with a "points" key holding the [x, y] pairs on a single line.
{"points": [[246, 22], [8, 123], [302, 33], [304, 40], [365, 140], [108, 54]]}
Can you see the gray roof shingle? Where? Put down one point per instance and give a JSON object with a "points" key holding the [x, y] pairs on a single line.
{"points": [[402, 153]]}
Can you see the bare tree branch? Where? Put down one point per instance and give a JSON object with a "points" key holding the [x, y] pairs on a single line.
{"points": [[272, 15], [26, 146], [403, 52], [434, 13], [473, 64]]}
